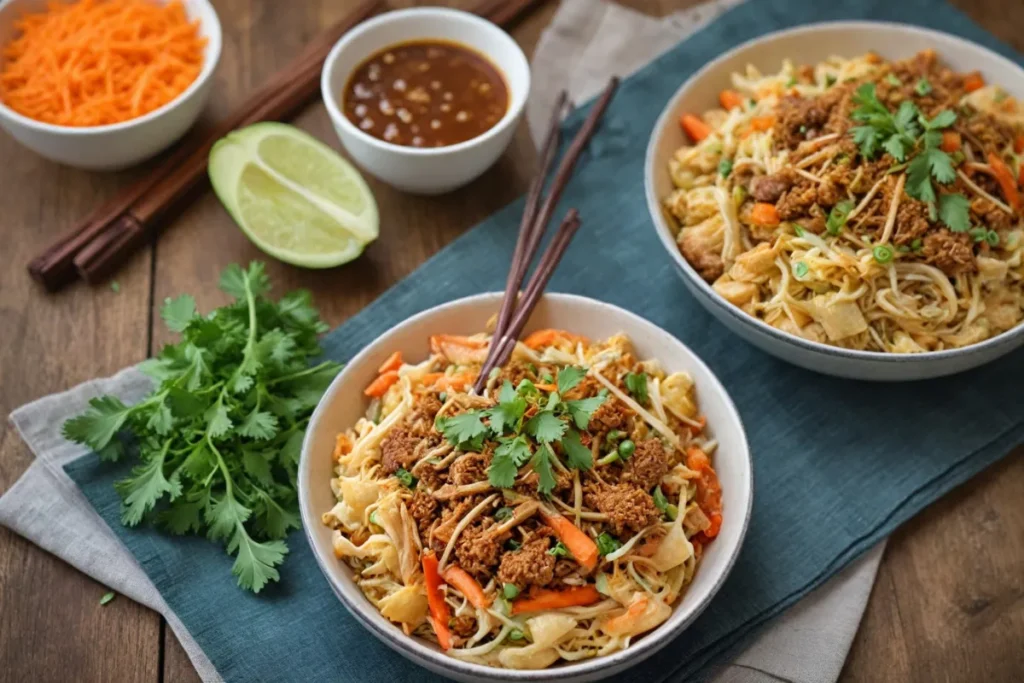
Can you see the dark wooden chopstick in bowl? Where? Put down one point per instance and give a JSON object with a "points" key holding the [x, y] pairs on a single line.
{"points": [[514, 312]]}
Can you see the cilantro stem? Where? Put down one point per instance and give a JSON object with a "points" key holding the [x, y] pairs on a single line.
{"points": [[301, 373]]}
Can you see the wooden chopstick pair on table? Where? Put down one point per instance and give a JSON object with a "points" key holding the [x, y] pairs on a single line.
{"points": [[516, 310]]}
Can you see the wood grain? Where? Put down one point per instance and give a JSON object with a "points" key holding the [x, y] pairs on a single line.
{"points": [[949, 601]]}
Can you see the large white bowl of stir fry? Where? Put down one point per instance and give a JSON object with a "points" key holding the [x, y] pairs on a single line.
{"points": [[849, 197], [563, 524]]}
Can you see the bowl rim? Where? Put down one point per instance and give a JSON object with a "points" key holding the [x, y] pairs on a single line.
{"points": [[211, 22], [661, 227], [512, 114], [409, 645]]}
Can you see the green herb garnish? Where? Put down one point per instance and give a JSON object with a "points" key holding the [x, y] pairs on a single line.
{"points": [[923, 87], [510, 591], [725, 167], [800, 270], [218, 440], [503, 513], [892, 80], [115, 286], [660, 501], [558, 550], [107, 597], [406, 478], [837, 217], [883, 253], [516, 634], [636, 383], [607, 544]]}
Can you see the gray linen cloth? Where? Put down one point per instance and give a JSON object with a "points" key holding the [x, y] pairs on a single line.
{"points": [[587, 41]]}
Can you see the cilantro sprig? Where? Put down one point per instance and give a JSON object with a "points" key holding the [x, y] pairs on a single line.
{"points": [[520, 440], [908, 136], [217, 442]]}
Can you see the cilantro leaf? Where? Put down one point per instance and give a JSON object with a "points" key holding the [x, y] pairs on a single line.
{"points": [[178, 313], [509, 456], [867, 139], [896, 147], [954, 211], [923, 87], [465, 431], [919, 180], [508, 414], [637, 385], [545, 427], [577, 455], [216, 444], [541, 464], [607, 543], [580, 410], [944, 119], [569, 377], [940, 164], [97, 426]]}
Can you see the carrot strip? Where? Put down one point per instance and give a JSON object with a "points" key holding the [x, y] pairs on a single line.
{"points": [[950, 141], [379, 386], [765, 214], [549, 337], [1018, 143], [90, 63], [439, 612], [694, 127], [762, 123], [546, 387], [393, 362], [540, 600], [973, 81], [623, 621], [709, 489], [583, 549], [730, 99], [467, 585], [1007, 183]]}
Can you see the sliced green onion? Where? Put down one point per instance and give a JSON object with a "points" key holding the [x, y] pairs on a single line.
{"points": [[893, 81], [559, 550], [883, 253], [917, 244], [626, 449], [739, 194], [503, 513], [513, 544], [510, 591], [672, 511], [992, 238], [660, 501], [373, 518], [609, 459], [516, 634], [607, 544], [800, 270], [791, 82], [443, 396], [798, 229], [614, 435], [830, 80], [923, 87], [725, 167]]}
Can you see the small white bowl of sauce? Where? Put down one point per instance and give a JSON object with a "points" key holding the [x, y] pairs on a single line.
{"points": [[426, 99]]}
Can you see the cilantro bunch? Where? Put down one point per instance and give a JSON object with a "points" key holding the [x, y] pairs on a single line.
{"points": [[218, 440], [912, 139], [555, 421]]}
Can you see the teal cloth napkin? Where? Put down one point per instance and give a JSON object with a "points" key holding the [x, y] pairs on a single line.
{"points": [[838, 464]]}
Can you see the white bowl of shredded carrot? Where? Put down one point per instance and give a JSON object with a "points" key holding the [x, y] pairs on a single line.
{"points": [[438, 336], [104, 84]]}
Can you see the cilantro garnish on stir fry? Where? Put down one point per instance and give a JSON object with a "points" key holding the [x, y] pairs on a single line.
{"points": [[553, 421], [218, 440]]}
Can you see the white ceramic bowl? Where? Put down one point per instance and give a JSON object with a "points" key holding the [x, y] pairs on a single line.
{"points": [[437, 169], [808, 45], [117, 145], [344, 403]]}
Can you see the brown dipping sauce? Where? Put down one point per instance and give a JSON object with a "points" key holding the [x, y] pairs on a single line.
{"points": [[427, 93]]}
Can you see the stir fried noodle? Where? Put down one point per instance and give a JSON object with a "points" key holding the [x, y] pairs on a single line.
{"points": [[861, 203], [558, 516]]}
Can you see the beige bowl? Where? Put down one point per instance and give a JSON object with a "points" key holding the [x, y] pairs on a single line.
{"points": [[808, 45], [344, 403]]}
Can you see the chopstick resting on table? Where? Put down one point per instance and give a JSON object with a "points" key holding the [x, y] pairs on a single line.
{"points": [[100, 243], [514, 312]]}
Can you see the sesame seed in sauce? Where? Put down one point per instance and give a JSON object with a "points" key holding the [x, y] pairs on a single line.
{"points": [[417, 117]]}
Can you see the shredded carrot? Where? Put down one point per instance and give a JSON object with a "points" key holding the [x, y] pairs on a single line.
{"points": [[393, 362], [439, 612], [1007, 183], [549, 337], [973, 81], [379, 386], [764, 214], [540, 600], [1018, 143], [583, 549], [762, 123], [467, 585], [98, 62], [694, 127], [442, 382], [709, 489], [342, 446], [695, 430], [730, 99], [950, 141]]}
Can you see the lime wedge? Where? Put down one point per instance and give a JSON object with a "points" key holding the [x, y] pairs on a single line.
{"points": [[294, 196]]}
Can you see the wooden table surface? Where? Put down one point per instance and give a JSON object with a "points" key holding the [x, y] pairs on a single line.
{"points": [[949, 601]]}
